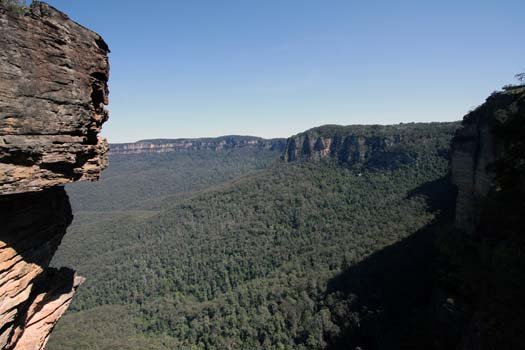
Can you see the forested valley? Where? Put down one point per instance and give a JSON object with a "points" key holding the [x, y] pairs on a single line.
{"points": [[239, 249]]}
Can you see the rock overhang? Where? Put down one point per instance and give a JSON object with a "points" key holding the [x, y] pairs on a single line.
{"points": [[53, 91]]}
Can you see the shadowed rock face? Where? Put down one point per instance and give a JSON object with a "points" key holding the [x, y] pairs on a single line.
{"points": [[53, 88], [487, 155], [33, 296], [488, 168]]}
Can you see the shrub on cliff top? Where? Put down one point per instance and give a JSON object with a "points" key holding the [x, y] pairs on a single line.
{"points": [[18, 6]]}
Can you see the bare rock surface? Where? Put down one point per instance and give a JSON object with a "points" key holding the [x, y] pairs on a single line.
{"points": [[53, 89], [32, 296], [489, 140]]}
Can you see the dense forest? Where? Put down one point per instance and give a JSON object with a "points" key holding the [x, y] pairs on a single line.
{"points": [[133, 180], [241, 250]]}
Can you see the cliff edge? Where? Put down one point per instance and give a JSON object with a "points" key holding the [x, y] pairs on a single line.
{"points": [[199, 144], [378, 147], [53, 89], [486, 259], [488, 156]]}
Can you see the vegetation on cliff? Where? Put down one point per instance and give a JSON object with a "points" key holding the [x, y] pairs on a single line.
{"points": [[483, 257], [18, 6]]}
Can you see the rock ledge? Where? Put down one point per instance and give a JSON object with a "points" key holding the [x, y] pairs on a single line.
{"points": [[53, 89]]}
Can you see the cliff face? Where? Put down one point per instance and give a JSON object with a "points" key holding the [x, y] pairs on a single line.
{"points": [[32, 295], [181, 145], [488, 155], [486, 254], [53, 88], [371, 146]]}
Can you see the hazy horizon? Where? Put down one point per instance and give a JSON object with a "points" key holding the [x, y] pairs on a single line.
{"points": [[273, 69]]}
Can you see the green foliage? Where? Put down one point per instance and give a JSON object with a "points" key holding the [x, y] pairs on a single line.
{"points": [[106, 327], [141, 181], [255, 263], [17, 6], [411, 133]]}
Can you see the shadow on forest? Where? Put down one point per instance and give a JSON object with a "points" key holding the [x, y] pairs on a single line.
{"points": [[390, 293]]}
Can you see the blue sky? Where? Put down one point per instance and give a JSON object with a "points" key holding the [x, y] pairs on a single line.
{"points": [[274, 68]]}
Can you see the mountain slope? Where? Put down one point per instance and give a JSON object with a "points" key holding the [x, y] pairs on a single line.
{"points": [[134, 179], [253, 264], [484, 254]]}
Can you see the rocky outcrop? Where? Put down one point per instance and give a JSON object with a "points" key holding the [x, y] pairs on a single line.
{"points": [[182, 145], [53, 88], [487, 264], [370, 146], [32, 296], [488, 154]]}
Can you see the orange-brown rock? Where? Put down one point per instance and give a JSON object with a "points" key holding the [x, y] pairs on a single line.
{"points": [[53, 88], [32, 295]]}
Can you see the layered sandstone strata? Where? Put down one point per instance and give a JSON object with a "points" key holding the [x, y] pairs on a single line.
{"points": [[53, 88]]}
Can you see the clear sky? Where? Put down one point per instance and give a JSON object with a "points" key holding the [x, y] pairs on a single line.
{"points": [[274, 68]]}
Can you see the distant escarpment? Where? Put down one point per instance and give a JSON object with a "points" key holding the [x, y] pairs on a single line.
{"points": [[182, 145], [53, 88], [371, 146], [486, 275]]}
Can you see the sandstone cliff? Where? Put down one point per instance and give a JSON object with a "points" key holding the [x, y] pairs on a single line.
{"points": [[488, 154], [370, 146], [53, 75], [53, 88], [181, 145], [487, 263]]}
